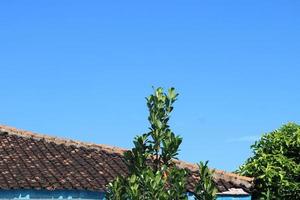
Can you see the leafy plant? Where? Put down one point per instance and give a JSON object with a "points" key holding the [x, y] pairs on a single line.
{"points": [[275, 164], [152, 174], [205, 189]]}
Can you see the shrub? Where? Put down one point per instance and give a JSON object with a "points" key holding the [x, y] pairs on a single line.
{"points": [[275, 164]]}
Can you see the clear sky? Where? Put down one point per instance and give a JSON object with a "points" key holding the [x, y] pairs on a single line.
{"points": [[81, 70]]}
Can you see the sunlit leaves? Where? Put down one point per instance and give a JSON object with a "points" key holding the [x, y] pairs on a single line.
{"points": [[276, 164], [152, 174], [205, 189]]}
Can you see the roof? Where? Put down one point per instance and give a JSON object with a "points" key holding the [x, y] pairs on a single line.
{"points": [[35, 161]]}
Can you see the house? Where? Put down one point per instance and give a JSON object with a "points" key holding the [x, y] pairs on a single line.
{"points": [[35, 166]]}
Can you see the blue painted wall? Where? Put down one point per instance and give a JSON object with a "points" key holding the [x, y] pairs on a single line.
{"points": [[46, 194], [76, 194], [225, 197], [234, 198]]}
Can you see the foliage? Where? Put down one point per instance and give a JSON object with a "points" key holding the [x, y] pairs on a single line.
{"points": [[152, 174], [275, 164], [205, 189]]}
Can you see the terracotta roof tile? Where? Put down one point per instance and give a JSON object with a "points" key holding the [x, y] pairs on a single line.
{"points": [[30, 160]]}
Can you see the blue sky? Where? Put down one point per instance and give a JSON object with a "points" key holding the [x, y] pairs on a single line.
{"points": [[81, 70]]}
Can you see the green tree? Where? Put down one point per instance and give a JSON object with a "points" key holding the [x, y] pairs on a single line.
{"points": [[275, 164], [152, 174]]}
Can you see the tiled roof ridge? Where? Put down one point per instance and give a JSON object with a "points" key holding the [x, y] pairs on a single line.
{"points": [[110, 149], [194, 168], [60, 140]]}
